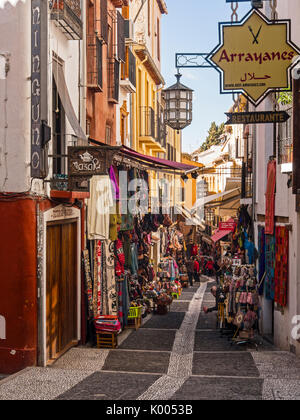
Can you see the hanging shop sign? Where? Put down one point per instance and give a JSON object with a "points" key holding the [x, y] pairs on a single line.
{"points": [[85, 162], [227, 226], [39, 61], [255, 56], [264, 117]]}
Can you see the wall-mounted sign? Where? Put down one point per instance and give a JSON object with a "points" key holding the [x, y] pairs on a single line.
{"points": [[87, 161], [39, 13], [255, 56], [264, 117]]}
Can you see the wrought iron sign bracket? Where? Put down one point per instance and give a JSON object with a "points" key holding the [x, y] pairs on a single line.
{"points": [[193, 60]]}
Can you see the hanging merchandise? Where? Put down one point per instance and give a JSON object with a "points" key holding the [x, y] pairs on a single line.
{"points": [[99, 205], [281, 265], [97, 279], [262, 257], [270, 267], [109, 292], [88, 282]]}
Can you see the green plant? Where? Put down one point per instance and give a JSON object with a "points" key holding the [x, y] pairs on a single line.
{"points": [[285, 98]]}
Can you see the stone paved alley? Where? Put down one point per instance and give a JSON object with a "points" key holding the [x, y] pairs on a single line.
{"points": [[179, 356]]}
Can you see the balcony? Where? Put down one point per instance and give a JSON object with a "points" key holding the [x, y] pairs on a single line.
{"points": [[113, 80], [128, 73], [67, 16], [94, 60], [151, 132]]}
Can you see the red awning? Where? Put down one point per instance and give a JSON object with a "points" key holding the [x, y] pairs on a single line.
{"points": [[163, 162], [219, 234]]}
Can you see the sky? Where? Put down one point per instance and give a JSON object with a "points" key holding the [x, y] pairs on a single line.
{"points": [[191, 26]]}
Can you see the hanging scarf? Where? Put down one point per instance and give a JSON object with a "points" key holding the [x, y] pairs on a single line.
{"points": [[281, 265]]}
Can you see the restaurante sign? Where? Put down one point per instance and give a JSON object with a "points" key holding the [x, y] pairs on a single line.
{"points": [[255, 56]]}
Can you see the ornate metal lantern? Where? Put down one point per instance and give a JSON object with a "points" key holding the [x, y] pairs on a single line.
{"points": [[179, 102]]}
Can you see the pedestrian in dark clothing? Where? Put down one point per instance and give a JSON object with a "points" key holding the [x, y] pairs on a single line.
{"points": [[218, 295], [190, 270]]}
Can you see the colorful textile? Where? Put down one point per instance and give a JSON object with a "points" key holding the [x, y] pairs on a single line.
{"points": [[110, 304], [270, 267], [262, 256], [281, 265], [270, 198], [113, 175], [88, 281], [97, 280], [120, 258]]}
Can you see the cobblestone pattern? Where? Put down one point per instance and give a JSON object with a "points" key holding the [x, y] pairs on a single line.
{"points": [[181, 360]]}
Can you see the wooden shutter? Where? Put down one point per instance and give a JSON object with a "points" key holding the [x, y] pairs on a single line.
{"points": [[104, 22], [121, 37]]}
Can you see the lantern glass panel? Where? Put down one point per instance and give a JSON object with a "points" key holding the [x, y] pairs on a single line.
{"points": [[183, 94]]}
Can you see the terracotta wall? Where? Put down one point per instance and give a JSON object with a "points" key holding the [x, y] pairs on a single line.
{"points": [[100, 112], [18, 298]]}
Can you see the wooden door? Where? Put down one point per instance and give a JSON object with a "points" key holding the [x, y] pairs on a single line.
{"points": [[61, 288]]}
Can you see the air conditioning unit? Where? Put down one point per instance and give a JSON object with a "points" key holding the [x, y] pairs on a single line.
{"points": [[129, 30]]}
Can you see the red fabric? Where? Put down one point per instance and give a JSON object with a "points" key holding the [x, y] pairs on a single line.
{"points": [[196, 267], [194, 251], [120, 259], [281, 265], [270, 198], [209, 265]]}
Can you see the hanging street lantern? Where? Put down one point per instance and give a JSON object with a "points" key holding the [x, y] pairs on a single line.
{"points": [[179, 103]]}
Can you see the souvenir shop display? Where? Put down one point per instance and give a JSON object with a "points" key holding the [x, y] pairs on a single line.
{"points": [[123, 283], [241, 299]]}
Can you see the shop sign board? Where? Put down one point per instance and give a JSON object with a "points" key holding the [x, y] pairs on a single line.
{"points": [[85, 162], [264, 117], [227, 226], [255, 56]]}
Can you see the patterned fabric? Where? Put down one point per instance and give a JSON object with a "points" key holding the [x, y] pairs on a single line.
{"points": [[262, 256], [97, 280], [281, 265], [110, 304], [88, 282], [270, 267]]}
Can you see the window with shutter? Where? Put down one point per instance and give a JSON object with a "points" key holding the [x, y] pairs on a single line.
{"points": [[104, 20], [121, 37]]}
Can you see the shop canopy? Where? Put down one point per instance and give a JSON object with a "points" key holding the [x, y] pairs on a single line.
{"points": [[210, 198], [192, 220], [219, 234], [177, 166]]}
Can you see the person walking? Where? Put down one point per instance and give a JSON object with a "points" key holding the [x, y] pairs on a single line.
{"points": [[190, 270], [196, 271], [210, 268]]}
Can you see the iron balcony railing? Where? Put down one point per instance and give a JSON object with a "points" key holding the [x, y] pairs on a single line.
{"points": [[113, 80], [128, 69], [68, 15], [147, 122]]}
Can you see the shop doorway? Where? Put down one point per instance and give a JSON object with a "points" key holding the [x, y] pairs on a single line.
{"points": [[61, 288]]}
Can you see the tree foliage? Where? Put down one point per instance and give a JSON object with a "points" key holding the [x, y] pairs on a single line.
{"points": [[213, 138]]}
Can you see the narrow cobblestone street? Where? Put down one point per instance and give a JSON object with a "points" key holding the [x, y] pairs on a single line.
{"points": [[179, 356]]}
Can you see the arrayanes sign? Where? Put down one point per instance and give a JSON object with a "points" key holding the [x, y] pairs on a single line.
{"points": [[255, 56]]}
